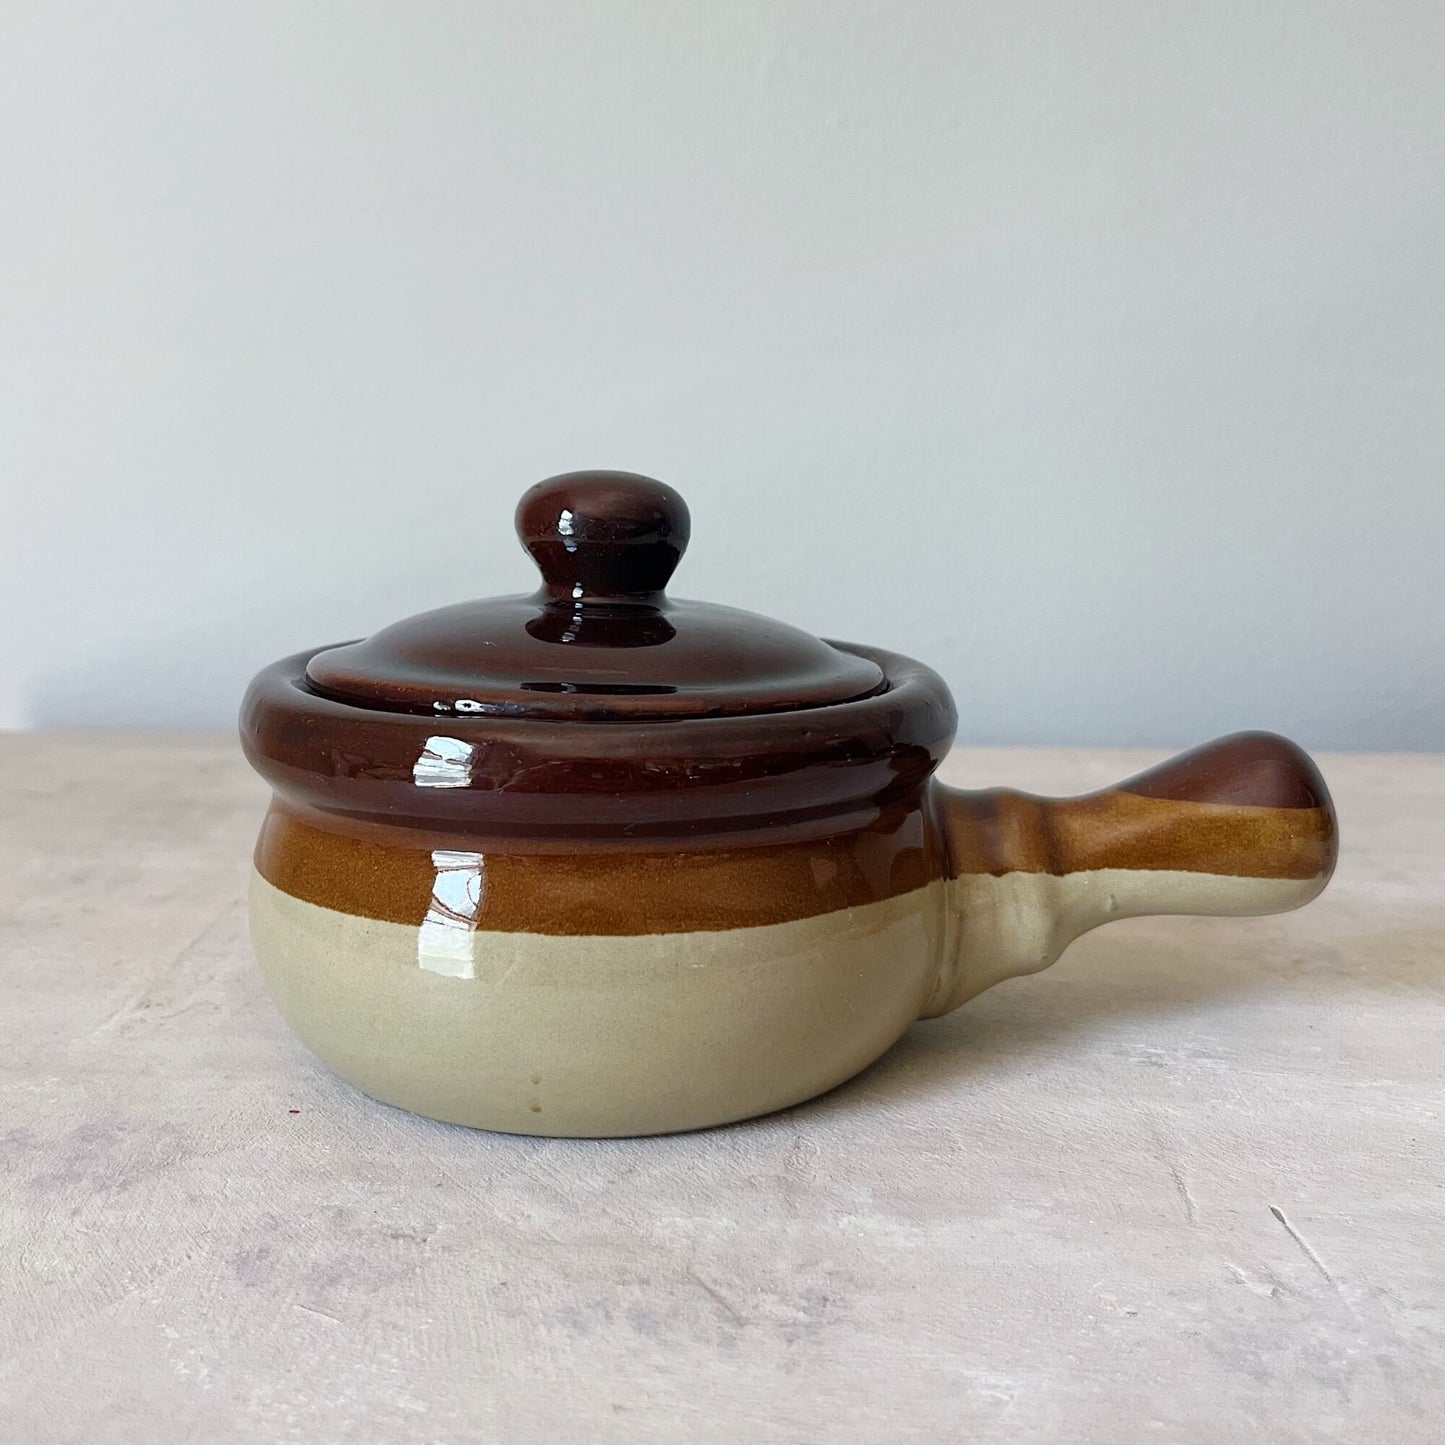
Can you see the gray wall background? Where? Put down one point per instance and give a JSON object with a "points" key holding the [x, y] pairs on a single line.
{"points": [[1091, 351]]}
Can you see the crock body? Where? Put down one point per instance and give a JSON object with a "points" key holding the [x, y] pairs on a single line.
{"points": [[608, 990]]}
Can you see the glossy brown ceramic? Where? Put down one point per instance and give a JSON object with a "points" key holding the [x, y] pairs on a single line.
{"points": [[600, 640], [595, 861]]}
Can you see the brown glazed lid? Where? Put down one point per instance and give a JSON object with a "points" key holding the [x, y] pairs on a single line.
{"points": [[600, 640], [597, 708]]}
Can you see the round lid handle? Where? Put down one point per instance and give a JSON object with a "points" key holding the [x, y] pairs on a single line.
{"points": [[603, 536]]}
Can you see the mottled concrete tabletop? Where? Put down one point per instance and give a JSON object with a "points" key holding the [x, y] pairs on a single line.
{"points": [[1188, 1185]]}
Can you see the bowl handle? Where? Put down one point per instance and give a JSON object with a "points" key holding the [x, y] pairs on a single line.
{"points": [[1242, 825]]}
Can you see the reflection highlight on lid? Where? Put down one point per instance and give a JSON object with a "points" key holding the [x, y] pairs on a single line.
{"points": [[444, 763]]}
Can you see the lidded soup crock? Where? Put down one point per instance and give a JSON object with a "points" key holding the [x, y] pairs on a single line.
{"points": [[598, 861]]}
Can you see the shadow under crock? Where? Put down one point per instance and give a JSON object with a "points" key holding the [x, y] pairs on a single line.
{"points": [[1153, 1001]]}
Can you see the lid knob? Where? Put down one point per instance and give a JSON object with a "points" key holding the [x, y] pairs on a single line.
{"points": [[603, 536]]}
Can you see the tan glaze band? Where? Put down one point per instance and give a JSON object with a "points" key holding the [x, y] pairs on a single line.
{"points": [[405, 876], [1001, 832], [1149, 824], [1248, 806]]}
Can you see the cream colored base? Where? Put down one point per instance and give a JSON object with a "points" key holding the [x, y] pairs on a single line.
{"points": [[598, 1036], [648, 1034]]}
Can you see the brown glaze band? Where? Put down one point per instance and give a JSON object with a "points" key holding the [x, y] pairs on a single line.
{"points": [[1248, 806], [405, 874], [595, 891], [676, 783]]}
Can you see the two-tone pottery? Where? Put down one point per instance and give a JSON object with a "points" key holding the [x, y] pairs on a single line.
{"points": [[597, 861]]}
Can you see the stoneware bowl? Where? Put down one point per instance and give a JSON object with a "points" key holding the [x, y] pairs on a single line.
{"points": [[596, 861]]}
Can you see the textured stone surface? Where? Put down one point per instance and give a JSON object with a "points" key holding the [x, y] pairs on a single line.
{"points": [[1185, 1185]]}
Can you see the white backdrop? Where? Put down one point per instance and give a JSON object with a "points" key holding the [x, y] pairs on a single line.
{"points": [[1091, 351]]}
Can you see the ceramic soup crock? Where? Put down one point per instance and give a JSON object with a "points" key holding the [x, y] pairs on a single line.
{"points": [[597, 861]]}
